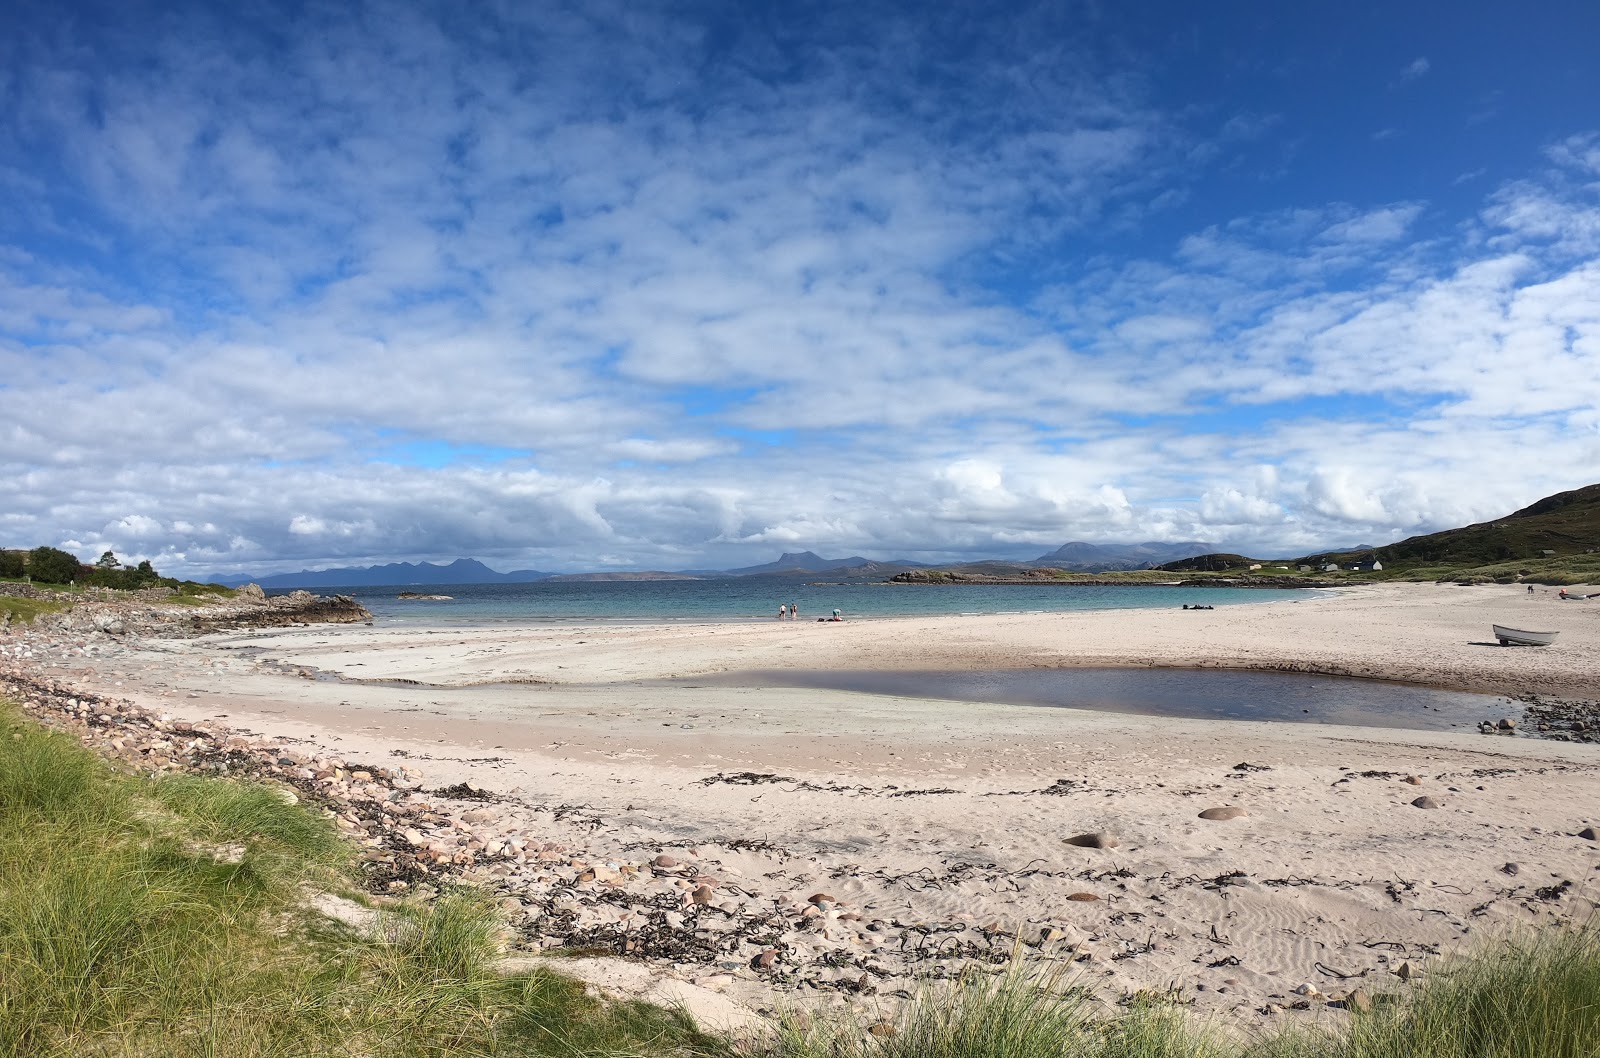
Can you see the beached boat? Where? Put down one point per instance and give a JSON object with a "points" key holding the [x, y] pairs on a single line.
{"points": [[1518, 637]]}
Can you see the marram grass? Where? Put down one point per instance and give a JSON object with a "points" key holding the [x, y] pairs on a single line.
{"points": [[148, 918], [164, 918]]}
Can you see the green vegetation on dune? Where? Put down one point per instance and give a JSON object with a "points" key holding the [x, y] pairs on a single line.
{"points": [[168, 916], [58, 570], [165, 917], [1534, 997]]}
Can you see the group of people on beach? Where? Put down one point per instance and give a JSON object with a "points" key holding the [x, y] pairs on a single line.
{"points": [[791, 612]]}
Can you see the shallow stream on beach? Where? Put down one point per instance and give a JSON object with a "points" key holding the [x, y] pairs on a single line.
{"points": [[1197, 694]]}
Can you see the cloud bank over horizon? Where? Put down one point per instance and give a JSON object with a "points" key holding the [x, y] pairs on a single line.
{"points": [[598, 286]]}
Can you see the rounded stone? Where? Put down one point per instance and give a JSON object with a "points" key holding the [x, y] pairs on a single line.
{"points": [[1098, 840], [1225, 812], [1082, 898], [664, 861], [1425, 802]]}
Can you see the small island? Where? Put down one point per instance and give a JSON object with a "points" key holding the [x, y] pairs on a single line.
{"points": [[423, 596]]}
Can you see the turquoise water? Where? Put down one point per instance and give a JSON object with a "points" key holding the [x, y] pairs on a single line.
{"points": [[758, 598]]}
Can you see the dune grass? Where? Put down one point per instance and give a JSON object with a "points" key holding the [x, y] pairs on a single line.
{"points": [[166, 917], [1534, 996], [1020, 1013]]}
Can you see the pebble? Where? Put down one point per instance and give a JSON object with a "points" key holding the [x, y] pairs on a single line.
{"points": [[1413, 780], [1425, 802], [664, 861], [1082, 898], [1225, 812], [1589, 834], [1099, 840]]}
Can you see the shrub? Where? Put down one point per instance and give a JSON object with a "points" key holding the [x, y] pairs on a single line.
{"points": [[11, 564], [53, 566]]}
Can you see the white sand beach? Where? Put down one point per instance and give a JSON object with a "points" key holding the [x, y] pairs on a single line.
{"points": [[864, 840]]}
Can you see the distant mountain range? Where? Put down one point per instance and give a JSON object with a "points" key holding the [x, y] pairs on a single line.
{"points": [[461, 571], [1098, 558], [1077, 556]]}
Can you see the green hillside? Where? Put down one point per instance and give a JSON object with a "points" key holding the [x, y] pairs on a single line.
{"points": [[1557, 527]]}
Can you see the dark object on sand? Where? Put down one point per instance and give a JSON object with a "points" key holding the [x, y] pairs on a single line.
{"points": [[1092, 841]]}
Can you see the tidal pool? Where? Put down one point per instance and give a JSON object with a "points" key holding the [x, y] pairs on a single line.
{"points": [[1205, 694]]}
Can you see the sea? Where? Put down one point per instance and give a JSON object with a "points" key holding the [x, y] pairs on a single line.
{"points": [[1198, 694], [739, 599]]}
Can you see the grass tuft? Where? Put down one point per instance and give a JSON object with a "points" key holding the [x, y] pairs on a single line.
{"points": [[145, 917], [1535, 996]]}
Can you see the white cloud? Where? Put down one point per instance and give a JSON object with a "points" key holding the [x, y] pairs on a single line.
{"points": [[396, 295], [1415, 68]]}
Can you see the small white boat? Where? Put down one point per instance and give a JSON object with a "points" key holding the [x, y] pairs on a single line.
{"points": [[1517, 637]]}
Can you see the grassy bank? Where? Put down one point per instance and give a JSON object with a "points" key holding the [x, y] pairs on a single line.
{"points": [[168, 917], [24, 610]]}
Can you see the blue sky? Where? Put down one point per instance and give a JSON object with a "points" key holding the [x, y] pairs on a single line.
{"points": [[685, 285]]}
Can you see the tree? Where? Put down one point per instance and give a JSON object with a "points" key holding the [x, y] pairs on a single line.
{"points": [[52, 565], [11, 564], [108, 561]]}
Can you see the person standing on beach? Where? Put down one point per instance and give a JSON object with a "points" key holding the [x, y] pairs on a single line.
{"points": [[783, 611], [794, 612]]}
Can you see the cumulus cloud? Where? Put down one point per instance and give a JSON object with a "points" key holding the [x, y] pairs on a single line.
{"points": [[614, 289]]}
